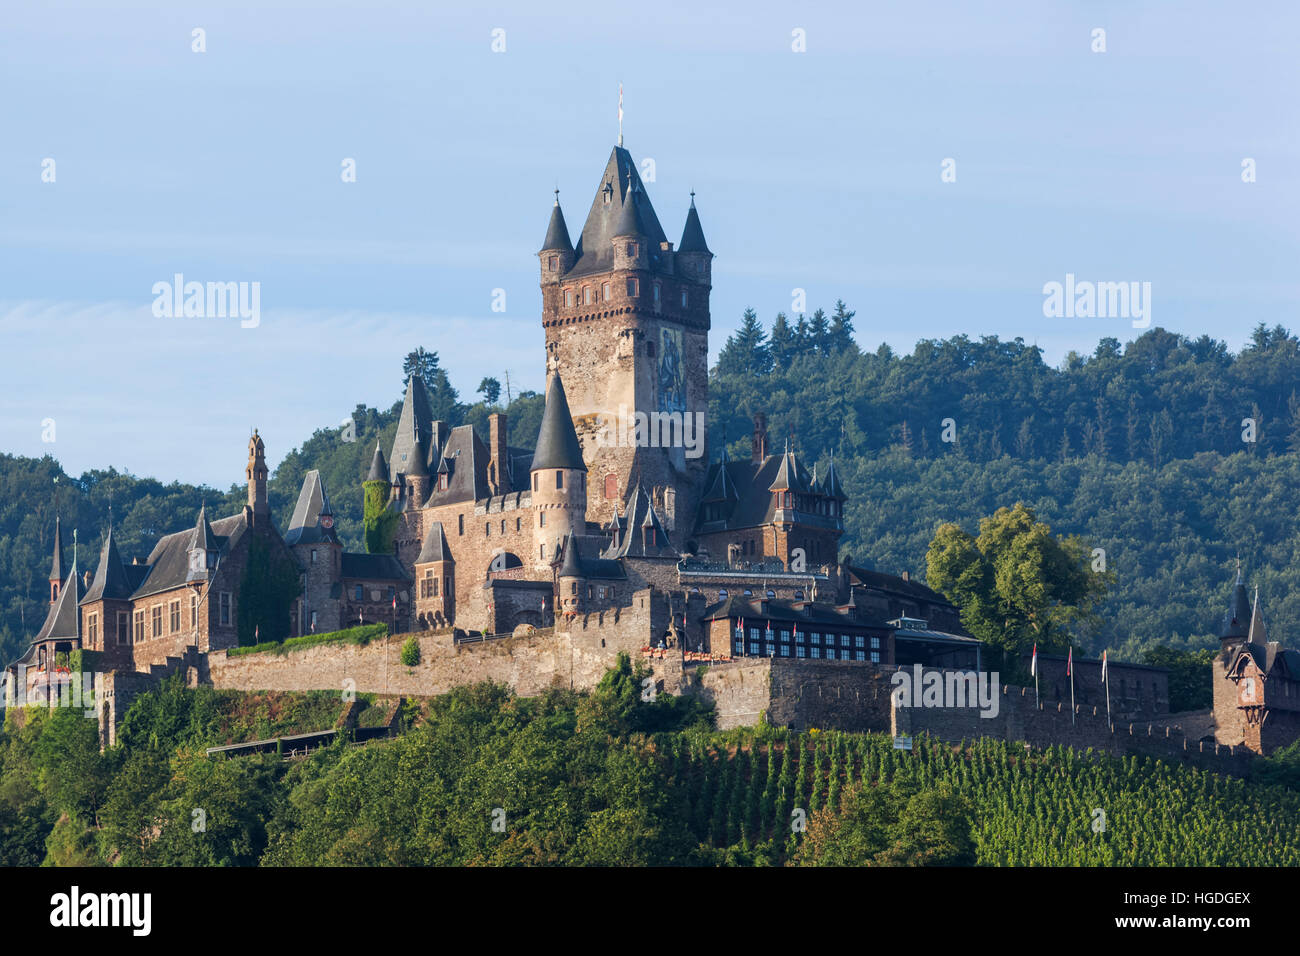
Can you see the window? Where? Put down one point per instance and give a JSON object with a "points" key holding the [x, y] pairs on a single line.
{"points": [[816, 652], [785, 635], [460, 524], [631, 250], [875, 657], [157, 620], [586, 295], [800, 651], [313, 555], [816, 638], [503, 525], [123, 628], [656, 295], [859, 641], [559, 479], [737, 647], [92, 628], [785, 650], [748, 593], [542, 553], [770, 594], [519, 524], [684, 300], [830, 653], [175, 615], [844, 640], [753, 647], [357, 594], [139, 633], [541, 519], [568, 298], [875, 643], [442, 482], [859, 655], [487, 529], [722, 595], [753, 634], [553, 263], [631, 288], [604, 291]]}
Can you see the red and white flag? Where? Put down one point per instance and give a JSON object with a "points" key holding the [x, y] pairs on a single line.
{"points": [[1033, 663], [1069, 662], [394, 600], [1103, 666]]}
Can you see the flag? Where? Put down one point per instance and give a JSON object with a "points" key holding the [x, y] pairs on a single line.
{"points": [[1069, 662], [1033, 663], [1103, 666], [620, 108], [394, 600], [257, 631], [795, 630]]}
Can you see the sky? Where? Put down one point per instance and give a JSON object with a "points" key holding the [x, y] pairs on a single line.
{"points": [[818, 169]]}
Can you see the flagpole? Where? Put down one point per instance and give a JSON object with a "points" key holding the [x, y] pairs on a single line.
{"points": [[1105, 679], [1070, 668]]}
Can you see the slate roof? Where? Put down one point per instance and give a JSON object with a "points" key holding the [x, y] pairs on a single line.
{"points": [[595, 250], [169, 563], [693, 234], [582, 560], [630, 539], [56, 564], [465, 462], [891, 583], [557, 440], [830, 485], [378, 467], [111, 582], [373, 567], [435, 545], [313, 501], [63, 619], [416, 418], [1236, 622], [557, 233], [781, 609]]}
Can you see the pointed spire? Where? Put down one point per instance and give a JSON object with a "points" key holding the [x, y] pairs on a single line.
{"points": [[557, 440], [1257, 634], [203, 537], [831, 483], [417, 415], [557, 232], [417, 465], [1236, 622], [572, 567], [693, 233], [378, 467], [629, 222], [56, 566], [110, 581]]}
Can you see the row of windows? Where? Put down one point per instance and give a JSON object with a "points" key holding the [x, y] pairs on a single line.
{"points": [[150, 624], [813, 637], [767, 649], [429, 586], [587, 296]]}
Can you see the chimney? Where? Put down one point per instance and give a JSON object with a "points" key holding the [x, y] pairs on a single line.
{"points": [[759, 442], [498, 466]]}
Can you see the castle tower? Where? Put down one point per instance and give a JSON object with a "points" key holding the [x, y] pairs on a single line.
{"points": [[258, 509], [1236, 622], [559, 477], [627, 325]]}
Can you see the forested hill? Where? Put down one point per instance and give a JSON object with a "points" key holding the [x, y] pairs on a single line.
{"points": [[1138, 447]]}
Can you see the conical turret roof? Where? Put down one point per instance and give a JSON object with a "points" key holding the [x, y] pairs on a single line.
{"points": [[693, 234], [1236, 622], [619, 186], [557, 233], [378, 467], [557, 440], [56, 565], [110, 583]]}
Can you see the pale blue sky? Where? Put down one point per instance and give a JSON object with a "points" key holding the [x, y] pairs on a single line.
{"points": [[818, 170]]}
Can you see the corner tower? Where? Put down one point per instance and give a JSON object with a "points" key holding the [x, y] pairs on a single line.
{"points": [[627, 327]]}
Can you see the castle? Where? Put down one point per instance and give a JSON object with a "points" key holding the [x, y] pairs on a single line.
{"points": [[539, 567]]}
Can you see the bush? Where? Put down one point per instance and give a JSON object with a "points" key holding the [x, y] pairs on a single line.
{"points": [[411, 652]]}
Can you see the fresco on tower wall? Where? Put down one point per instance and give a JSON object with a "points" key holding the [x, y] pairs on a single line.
{"points": [[672, 377]]}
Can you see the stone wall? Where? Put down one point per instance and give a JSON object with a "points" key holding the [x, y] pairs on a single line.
{"points": [[801, 694]]}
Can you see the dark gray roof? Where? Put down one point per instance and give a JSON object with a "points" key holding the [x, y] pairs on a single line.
{"points": [[891, 583], [63, 619], [435, 545], [1236, 622], [465, 462], [378, 467], [56, 565], [790, 475], [693, 234], [557, 440], [830, 484], [582, 560], [111, 582], [373, 567], [416, 418], [305, 527], [169, 562], [557, 233], [631, 539], [781, 609], [595, 250], [1257, 634]]}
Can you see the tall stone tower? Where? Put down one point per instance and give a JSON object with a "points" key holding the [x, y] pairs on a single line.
{"points": [[258, 509], [627, 328]]}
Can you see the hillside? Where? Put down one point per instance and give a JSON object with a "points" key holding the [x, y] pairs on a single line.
{"points": [[603, 778], [1137, 448]]}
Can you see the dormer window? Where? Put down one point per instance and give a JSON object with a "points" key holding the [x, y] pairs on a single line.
{"points": [[608, 193], [631, 250], [442, 482]]}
